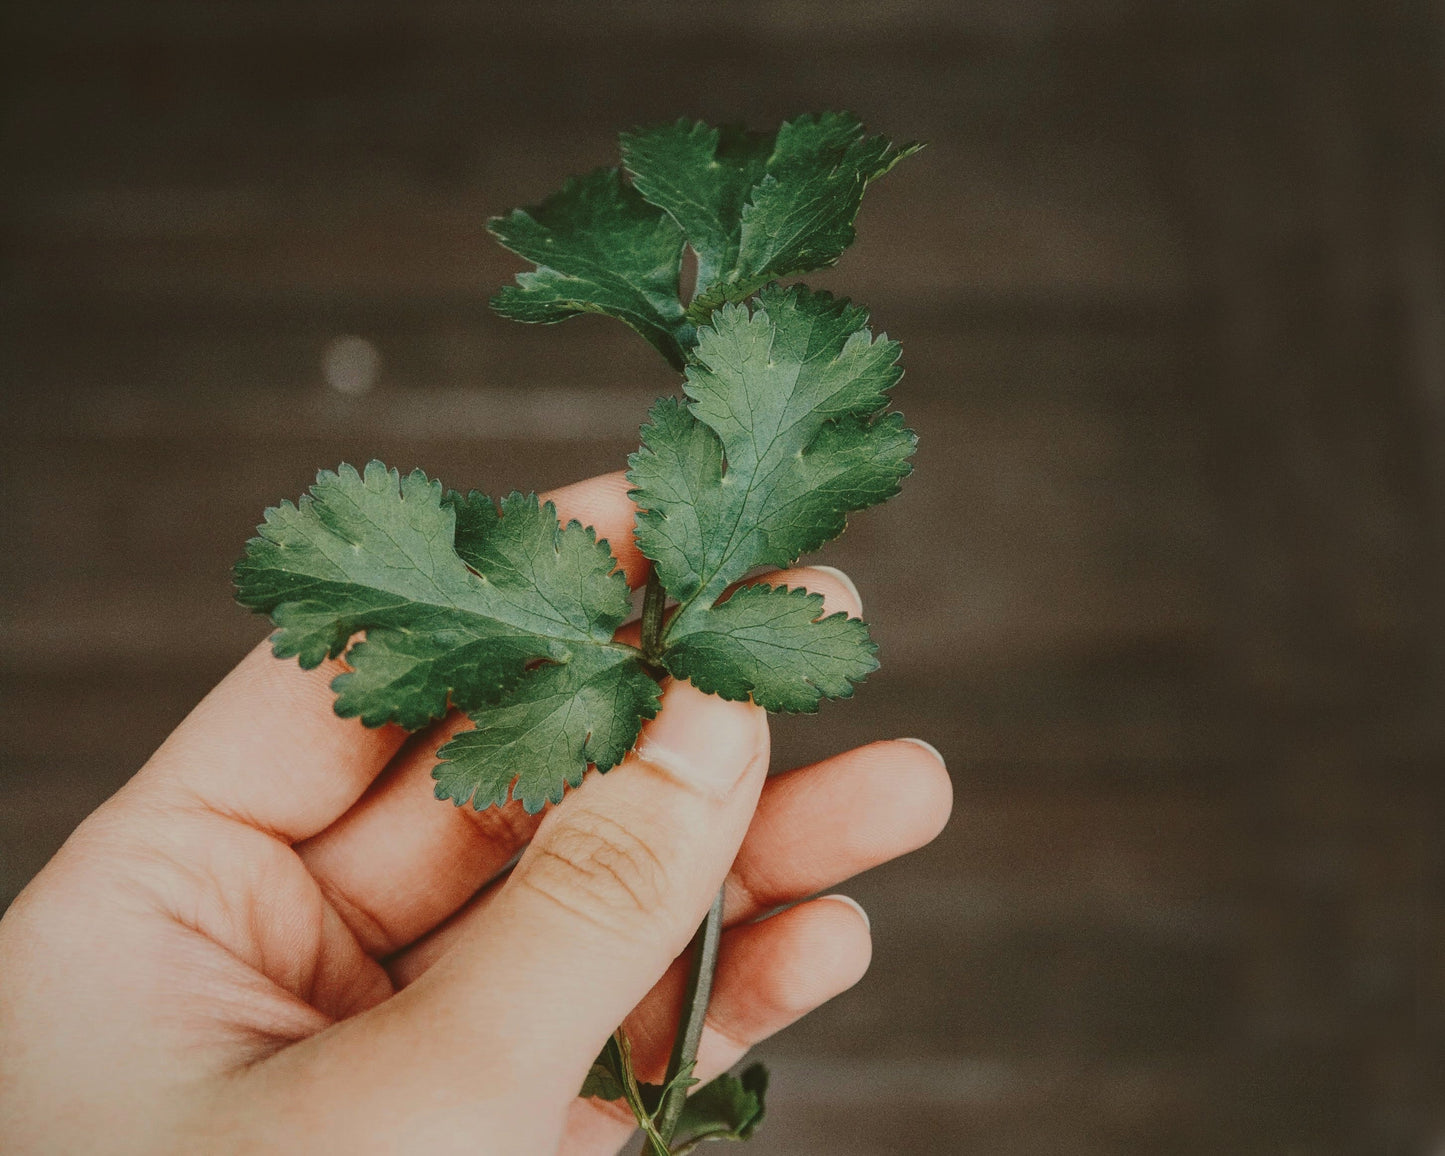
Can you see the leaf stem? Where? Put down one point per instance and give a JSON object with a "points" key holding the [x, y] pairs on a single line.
{"points": [[652, 1141], [694, 1013], [654, 603]]}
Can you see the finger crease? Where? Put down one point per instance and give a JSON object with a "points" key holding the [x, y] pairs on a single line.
{"points": [[750, 898], [192, 801], [586, 912], [369, 930]]}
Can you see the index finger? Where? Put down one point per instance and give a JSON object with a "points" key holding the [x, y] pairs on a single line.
{"points": [[266, 747]]}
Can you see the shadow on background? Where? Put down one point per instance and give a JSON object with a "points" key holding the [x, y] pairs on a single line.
{"points": [[1166, 588]]}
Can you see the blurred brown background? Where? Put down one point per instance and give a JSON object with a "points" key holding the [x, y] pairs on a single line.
{"points": [[1166, 588]]}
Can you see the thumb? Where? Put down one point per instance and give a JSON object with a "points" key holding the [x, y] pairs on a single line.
{"points": [[609, 892], [617, 879]]}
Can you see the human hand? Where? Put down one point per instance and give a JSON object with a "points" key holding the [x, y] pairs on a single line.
{"points": [[274, 939]]}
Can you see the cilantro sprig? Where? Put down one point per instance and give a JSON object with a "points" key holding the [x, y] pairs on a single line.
{"points": [[498, 611], [439, 600]]}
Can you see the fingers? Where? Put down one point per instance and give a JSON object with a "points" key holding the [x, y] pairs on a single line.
{"points": [[608, 893], [814, 828], [399, 863], [769, 975], [266, 747], [820, 825], [621, 875]]}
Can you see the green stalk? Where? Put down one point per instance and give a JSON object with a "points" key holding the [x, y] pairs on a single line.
{"points": [[694, 1014], [659, 1130], [704, 943], [654, 603], [652, 1142]]}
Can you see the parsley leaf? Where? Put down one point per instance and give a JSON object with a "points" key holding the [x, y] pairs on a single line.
{"points": [[727, 1108], [784, 431], [561, 717], [500, 612], [754, 207], [781, 439], [599, 248], [774, 644], [610, 1077], [701, 177]]}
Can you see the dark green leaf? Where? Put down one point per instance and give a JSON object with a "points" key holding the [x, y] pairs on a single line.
{"points": [[607, 1078], [727, 1108], [754, 207], [774, 645], [701, 176], [781, 440], [501, 612], [612, 1078], [599, 248], [562, 716]]}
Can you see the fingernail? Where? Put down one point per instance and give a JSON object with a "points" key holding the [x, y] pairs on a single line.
{"points": [[929, 747], [854, 904], [704, 741], [846, 582]]}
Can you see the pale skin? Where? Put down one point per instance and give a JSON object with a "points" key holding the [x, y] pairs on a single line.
{"points": [[274, 939]]}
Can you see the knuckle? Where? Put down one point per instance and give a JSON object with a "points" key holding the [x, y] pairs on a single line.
{"points": [[596, 867]]}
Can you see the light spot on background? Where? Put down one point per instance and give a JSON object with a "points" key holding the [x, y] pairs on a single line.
{"points": [[351, 364]]}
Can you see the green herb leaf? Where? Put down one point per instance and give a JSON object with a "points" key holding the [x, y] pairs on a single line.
{"points": [[727, 1108], [702, 177], [500, 612], [610, 1076], [781, 440], [599, 248], [753, 206], [773, 644], [756, 208], [561, 717]]}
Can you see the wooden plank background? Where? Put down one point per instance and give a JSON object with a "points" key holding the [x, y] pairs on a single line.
{"points": [[1166, 588]]}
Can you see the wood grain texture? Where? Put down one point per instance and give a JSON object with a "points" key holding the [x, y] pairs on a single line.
{"points": [[1166, 588]]}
